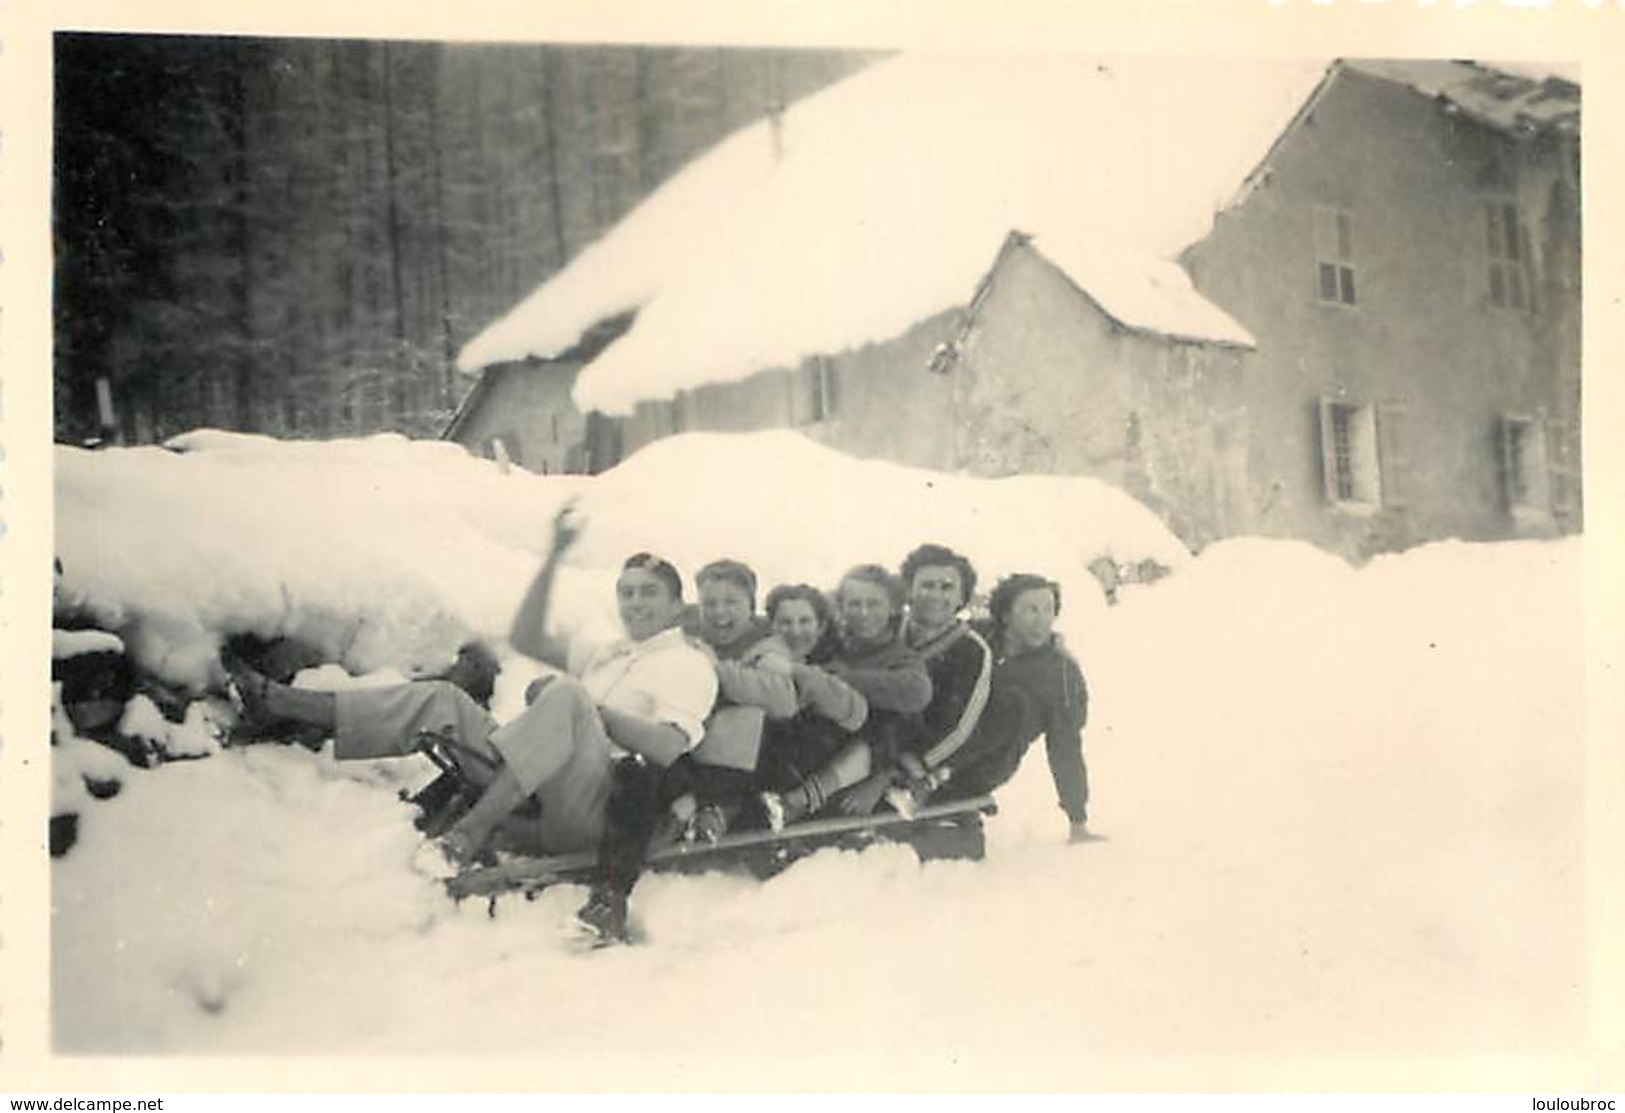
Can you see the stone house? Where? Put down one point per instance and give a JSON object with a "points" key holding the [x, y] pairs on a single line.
{"points": [[1374, 343]]}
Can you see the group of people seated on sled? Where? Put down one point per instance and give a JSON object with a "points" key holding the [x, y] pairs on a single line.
{"points": [[884, 694]]}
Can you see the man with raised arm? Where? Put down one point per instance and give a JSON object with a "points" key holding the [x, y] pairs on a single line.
{"points": [[644, 695]]}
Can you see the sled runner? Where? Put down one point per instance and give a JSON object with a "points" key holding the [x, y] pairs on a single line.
{"points": [[937, 831]]}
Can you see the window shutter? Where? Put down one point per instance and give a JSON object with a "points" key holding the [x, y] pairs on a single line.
{"points": [[1328, 452], [832, 389], [1393, 465], [1504, 437], [1328, 282]]}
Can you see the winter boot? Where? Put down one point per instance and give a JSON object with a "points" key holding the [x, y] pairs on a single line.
{"points": [[1080, 833], [601, 922], [442, 803]]}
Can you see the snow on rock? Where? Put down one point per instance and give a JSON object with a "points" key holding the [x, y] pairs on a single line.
{"points": [[142, 719], [1345, 813], [76, 760], [196, 735], [910, 174], [76, 643]]}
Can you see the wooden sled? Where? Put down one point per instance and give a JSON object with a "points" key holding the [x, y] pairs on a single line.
{"points": [[938, 831]]}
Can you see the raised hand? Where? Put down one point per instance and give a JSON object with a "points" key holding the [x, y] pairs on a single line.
{"points": [[568, 526]]}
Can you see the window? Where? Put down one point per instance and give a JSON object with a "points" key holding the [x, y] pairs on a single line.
{"points": [[1509, 279], [1334, 256], [817, 391], [1363, 453], [1523, 464]]}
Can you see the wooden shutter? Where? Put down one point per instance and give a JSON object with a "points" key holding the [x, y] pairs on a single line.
{"points": [[1508, 469], [1328, 451], [1393, 464]]}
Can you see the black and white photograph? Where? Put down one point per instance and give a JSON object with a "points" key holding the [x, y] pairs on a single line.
{"points": [[977, 563]]}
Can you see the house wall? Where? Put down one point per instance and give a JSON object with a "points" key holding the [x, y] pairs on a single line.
{"points": [[1423, 333], [1048, 383], [1220, 440], [528, 406], [1044, 382], [881, 402]]}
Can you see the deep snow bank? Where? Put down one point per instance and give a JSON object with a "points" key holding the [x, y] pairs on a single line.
{"points": [[1345, 811], [389, 553]]}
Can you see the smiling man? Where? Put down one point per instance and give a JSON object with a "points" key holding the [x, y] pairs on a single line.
{"points": [[940, 583], [646, 694]]}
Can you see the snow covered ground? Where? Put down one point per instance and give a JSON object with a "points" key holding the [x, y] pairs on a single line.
{"points": [[1345, 807]]}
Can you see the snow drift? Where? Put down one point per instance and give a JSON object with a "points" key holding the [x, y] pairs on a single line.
{"points": [[1344, 807], [389, 553]]}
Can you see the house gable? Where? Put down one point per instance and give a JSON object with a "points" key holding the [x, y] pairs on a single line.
{"points": [[528, 406], [1048, 381], [1400, 187]]}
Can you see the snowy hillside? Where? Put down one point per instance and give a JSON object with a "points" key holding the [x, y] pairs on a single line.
{"points": [[1344, 807]]}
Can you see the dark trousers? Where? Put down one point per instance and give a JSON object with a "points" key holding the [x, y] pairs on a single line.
{"points": [[640, 796]]}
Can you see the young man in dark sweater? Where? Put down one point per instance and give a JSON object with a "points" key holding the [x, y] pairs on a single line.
{"points": [[940, 582]]}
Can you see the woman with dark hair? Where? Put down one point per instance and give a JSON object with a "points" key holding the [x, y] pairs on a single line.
{"points": [[1032, 668], [823, 751], [940, 583], [804, 620]]}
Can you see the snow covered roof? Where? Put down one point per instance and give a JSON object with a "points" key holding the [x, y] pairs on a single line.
{"points": [[1514, 97], [883, 199], [1143, 292]]}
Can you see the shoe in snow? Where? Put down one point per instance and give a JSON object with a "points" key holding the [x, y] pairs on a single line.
{"points": [[601, 922], [1080, 833]]}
